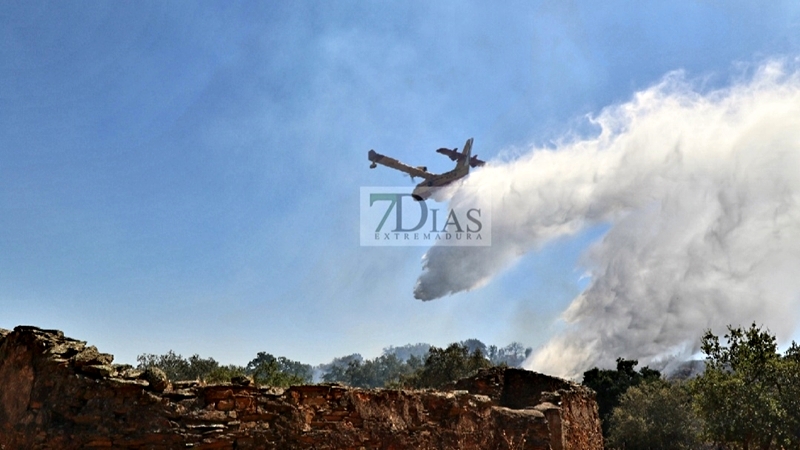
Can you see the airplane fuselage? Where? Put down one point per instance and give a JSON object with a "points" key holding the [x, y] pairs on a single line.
{"points": [[424, 190]]}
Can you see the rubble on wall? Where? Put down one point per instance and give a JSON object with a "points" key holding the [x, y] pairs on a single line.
{"points": [[59, 393]]}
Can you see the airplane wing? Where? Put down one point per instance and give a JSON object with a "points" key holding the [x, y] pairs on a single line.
{"points": [[475, 162], [453, 154], [377, 158]]}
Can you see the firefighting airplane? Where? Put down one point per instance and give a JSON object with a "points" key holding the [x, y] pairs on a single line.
{"points": [[432, 181]]}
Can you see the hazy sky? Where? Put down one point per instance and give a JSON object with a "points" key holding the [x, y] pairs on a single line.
{"points": [[186, 175]]}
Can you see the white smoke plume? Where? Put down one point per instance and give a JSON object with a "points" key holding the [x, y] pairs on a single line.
{"points": [[701, 194]]}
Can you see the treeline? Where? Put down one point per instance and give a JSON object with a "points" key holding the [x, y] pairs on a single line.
{"points": [[264, 369], [748, 397], [411, 366]]}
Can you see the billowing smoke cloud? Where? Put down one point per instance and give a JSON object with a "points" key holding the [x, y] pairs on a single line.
{"points": [[701, 194]]}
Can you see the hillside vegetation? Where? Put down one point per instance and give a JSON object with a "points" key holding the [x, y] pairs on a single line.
{"points": [[412, 366], [748, 397]]}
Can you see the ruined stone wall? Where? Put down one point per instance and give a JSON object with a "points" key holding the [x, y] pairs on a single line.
{"points": [[59, 393], [569, 408]]}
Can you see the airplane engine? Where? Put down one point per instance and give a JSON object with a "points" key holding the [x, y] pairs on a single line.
{"points": [[423, 168]]}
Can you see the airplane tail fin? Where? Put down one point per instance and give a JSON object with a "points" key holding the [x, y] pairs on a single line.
{"points": [[464, 162]]}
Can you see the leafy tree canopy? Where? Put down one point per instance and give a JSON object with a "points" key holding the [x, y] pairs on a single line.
{"points": [[443, 366], [654, 415], [177, 367], [405, 352], [511, 355], [269, 370], [408, 366], [611, 384], [384, 370], [748, 394], [264, 369]]}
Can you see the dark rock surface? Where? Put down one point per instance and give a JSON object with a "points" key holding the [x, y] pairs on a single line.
{"points": [[59, 393]]}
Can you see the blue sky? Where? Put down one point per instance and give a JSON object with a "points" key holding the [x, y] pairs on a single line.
{"points": [[186, 175]]}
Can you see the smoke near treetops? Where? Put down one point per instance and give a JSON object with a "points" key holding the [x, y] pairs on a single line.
{"points": [[700, 192]]}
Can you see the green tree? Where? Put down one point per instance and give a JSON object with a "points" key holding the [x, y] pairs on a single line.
{"points": [[740, 396], [268, 370], [200, 368], [443, 366], [376, 372], [264, 368], [654, 415], [172, 364], [224, 374], [407, 351], [334, 371], [397, 366], [512, 355], [177, 367], [473, 345], [789, 395], [383, 371], [611, 384]]}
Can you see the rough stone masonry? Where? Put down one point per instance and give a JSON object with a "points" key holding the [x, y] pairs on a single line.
{"points": [[59, 393]]}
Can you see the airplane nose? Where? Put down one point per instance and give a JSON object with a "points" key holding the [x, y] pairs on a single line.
{"points": [[420, 193]]}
